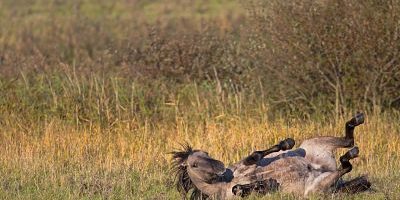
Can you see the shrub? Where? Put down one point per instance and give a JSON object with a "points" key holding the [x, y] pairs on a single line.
{"points": [[342, 54]]}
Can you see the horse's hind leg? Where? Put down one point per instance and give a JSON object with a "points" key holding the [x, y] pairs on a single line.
{"points": [[320, 150], [356, 185], [359, 184], [346, 166], [258, 155], [333, 143], [350, 125], [324, 181], [348, 139]]}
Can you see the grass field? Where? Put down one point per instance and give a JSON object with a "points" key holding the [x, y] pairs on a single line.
{"points": [[69, 137], [71, 131]]}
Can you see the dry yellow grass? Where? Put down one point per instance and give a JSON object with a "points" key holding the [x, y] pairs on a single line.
{"points": [[131, 161]]}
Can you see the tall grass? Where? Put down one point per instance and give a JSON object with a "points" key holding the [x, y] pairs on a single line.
{"points": [[68, 136]]}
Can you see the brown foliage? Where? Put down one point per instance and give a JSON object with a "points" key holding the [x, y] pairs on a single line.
{"points": [[302, 56], [344, 53]]}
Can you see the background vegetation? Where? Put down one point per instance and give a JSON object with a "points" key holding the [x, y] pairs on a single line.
{"points": [[93, 94]]}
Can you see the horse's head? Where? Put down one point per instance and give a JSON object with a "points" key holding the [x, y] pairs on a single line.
{"points": [[201, 166], [194, 167]]}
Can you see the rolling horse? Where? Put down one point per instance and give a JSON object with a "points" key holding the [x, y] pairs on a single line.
{"points": [[309, 169]]}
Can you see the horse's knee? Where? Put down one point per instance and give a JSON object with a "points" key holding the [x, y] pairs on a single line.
{"points": [[253, 158]]}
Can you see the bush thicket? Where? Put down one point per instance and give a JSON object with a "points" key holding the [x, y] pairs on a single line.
{"points": [[303, 57]]}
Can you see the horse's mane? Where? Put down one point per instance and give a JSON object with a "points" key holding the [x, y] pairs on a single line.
{"points": [[182, 180]]}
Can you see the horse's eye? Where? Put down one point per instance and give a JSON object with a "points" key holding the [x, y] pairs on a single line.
{"points": [[194, 165]]}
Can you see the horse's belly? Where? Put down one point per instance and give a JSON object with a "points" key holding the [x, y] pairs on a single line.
{"points": [[291, 173]]}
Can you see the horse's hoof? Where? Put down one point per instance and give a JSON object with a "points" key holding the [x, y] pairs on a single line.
{"points": [[287, 144], [358, 119], [237, 190]]}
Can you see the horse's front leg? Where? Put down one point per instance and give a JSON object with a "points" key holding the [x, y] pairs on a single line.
{"points": [[256, 156], [259, 187]]}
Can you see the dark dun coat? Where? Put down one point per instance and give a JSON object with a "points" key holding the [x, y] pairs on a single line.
{"points": [[311, 168]]}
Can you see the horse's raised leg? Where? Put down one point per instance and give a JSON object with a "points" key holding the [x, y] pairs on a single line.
{"points": [[324, 181], [350, 125], [346, 166], [320, 150], [256, 156]]}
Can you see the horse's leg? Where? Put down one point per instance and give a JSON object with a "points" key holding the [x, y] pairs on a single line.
{"points": [[338, 142], [348, 140], [258, 155], [350, 125], [259, 187], [346, 166], [320, 150], [324, 181], [359, 184]]}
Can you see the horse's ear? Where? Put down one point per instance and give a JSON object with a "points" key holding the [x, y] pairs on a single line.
{"points": [[180, 161]]}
